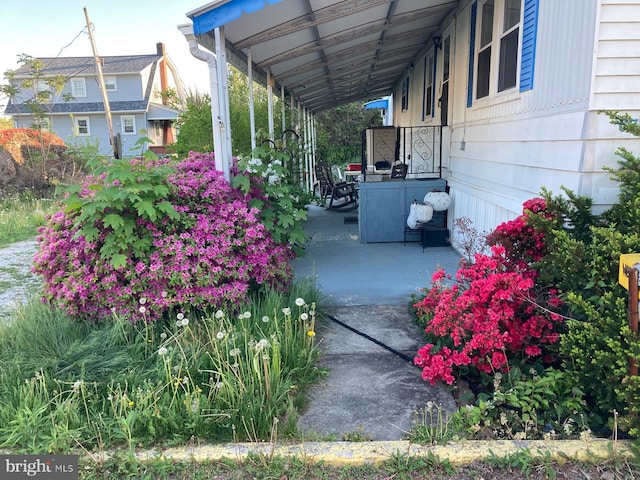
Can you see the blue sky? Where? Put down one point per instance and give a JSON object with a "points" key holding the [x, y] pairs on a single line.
{"points": [[45, 28]]}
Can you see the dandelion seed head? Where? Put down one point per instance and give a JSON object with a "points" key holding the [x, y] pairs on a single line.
{"points": [[265, 319], [286, 311], [185, 322], [142, 301], [247, 315], [143, 309], [180, 316], [163, 335], [219, 314], [304, 316], [300, 302], [162, 351], [220, 335]]}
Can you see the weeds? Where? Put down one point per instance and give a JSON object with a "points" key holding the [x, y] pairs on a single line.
{"points": [[21, 215], [200, 376], [431, 426]]}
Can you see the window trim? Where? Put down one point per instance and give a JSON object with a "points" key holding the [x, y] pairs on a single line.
{"points": [[76, 126], [79, 81], [123, 119], [428, 107], [405, 94], [527, 37]]}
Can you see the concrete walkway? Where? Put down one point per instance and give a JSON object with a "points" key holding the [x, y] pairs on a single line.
{"points": [[370, 392]]}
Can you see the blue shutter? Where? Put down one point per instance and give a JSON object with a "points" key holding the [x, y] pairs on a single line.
{"points": [[472, 52], [529, 33]]}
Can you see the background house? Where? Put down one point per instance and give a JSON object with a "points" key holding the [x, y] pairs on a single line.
{"points": [[515, 84], [133, 84]]}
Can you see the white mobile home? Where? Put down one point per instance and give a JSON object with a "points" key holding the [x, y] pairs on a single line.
{"points": [[514, 86]]}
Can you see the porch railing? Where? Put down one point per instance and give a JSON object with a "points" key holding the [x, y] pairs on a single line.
{"points": [[418, 147]]}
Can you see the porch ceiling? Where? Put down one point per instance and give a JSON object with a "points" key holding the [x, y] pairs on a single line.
{"points": [[325, 52]]}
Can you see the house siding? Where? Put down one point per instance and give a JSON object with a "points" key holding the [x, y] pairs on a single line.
{"points": [[503, 149]]}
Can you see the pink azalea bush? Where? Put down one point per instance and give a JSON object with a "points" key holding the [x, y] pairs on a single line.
{"points": [[211, 255], [491, 315]]}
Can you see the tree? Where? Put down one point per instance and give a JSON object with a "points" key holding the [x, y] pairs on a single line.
{"points": [[38, 94], [195, 128], [339, 132]]}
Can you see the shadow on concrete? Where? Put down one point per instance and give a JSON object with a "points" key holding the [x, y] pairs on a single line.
{"points": [[370, 392]]}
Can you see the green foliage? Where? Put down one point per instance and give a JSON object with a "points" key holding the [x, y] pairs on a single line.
{"points": [[194, 125], [431, 426], [239, 111], [526, 406], [625, 215], [281, 201], [339, 137], [141, 144], [21, 215], [582, 263], [130, 191], [198, 375]]}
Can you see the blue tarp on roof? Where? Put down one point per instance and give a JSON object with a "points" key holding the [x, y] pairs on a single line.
{"points": [[380, 103], [226, 13]]}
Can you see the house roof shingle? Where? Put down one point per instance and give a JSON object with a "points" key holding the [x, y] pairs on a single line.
{"points": [[77, 66]]}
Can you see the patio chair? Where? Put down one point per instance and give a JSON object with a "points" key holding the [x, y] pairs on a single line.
{"points": [[399, 170], [340, 194]]}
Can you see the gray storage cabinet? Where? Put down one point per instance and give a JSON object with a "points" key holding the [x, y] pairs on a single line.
{"points": [[384, 207]]}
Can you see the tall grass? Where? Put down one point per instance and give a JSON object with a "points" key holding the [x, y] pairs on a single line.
{"points": [[198, 376], [21, 215]]}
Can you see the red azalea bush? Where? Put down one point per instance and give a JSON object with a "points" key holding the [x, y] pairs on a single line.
{"points": [[491, 315], [210, 255], [524, 244]]}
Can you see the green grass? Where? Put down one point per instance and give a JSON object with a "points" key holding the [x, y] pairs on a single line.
{"points": [[21, 215], [398, 466], [208, 376]]}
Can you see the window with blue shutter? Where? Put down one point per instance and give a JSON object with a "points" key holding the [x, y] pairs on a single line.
{"points": [[502, 40]]}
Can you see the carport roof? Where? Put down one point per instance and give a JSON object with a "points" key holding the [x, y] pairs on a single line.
{"points": [[325, 53]]}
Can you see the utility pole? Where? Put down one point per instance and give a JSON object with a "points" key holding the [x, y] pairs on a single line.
{"points": [[103, 88]]}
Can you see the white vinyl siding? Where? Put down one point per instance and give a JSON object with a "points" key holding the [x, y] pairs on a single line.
{"points": [[78, 87]]}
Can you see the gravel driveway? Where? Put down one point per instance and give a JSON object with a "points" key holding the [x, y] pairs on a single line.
{"points": [[17, 282]]}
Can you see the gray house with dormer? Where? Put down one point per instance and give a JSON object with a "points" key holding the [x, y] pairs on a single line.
{"points": [[133, 85]]}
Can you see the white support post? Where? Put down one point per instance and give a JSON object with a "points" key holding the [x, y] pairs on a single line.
{"points": [[284, 119], [223, 95], [252, 113], [270, 104]]}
